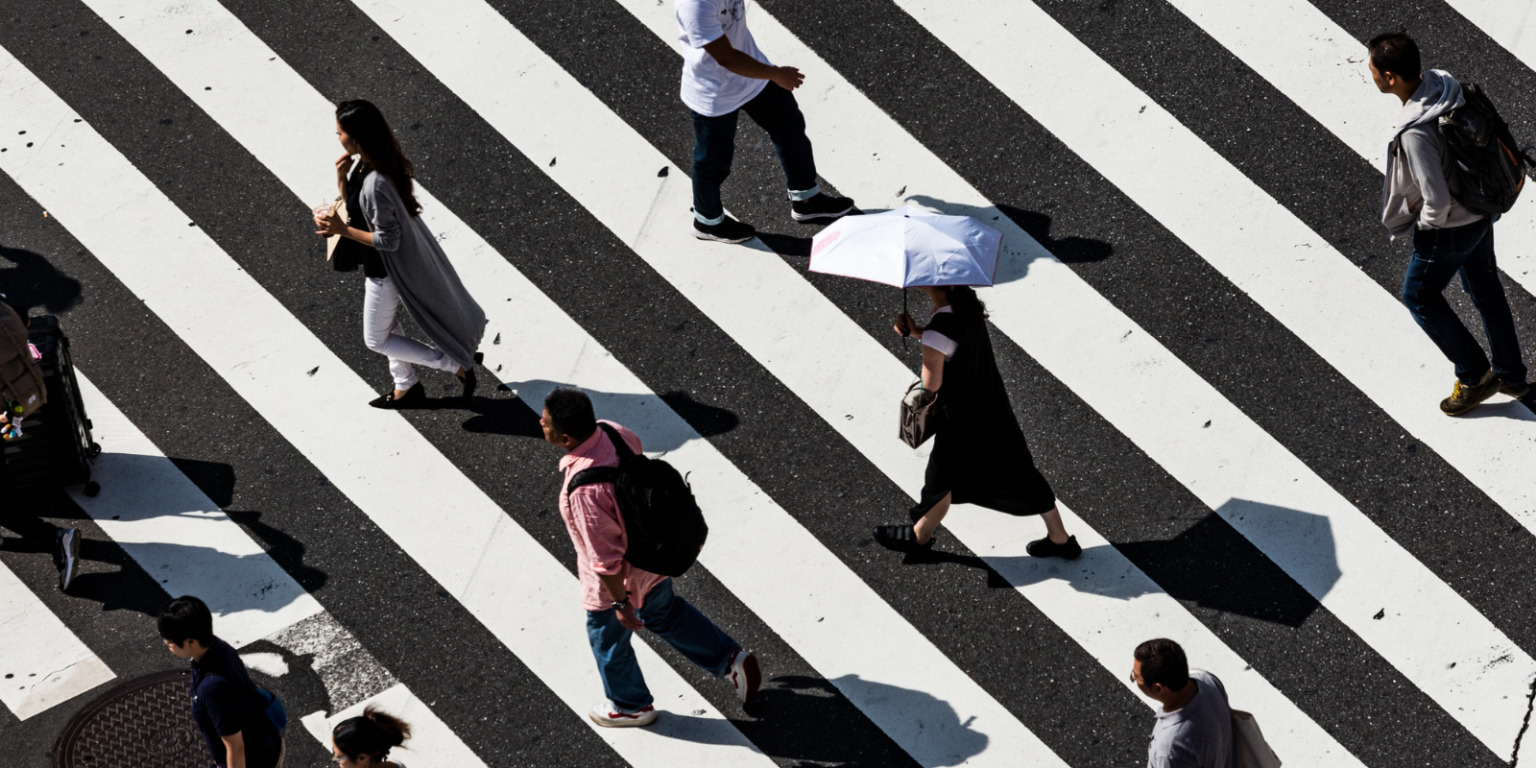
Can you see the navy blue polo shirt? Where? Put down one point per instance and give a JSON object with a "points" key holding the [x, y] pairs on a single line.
{"points": [[225, 702]]}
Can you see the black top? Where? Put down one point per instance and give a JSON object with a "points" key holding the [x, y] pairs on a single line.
{"points": [[350, 253], [979, 452], [225, 702]]}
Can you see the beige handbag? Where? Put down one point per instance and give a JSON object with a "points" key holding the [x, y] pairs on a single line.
{"points": [[919, 415], [1248, 744], [338, 208]]}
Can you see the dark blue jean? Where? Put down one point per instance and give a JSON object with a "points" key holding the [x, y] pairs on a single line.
{"points": [[714, 146], [1439, 255], [676, 621]]}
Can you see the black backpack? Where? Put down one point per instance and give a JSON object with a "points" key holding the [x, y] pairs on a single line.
{"points": [[663, 523], [1483, 167]]}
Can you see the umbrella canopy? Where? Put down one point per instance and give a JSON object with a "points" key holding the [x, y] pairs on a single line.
{"points": [[908, 247]]}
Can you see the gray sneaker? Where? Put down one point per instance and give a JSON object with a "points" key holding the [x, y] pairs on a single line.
{"points": [[1464, 398], [69, 557]]}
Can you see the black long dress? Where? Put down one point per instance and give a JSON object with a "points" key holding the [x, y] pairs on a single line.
{"points": [[979, 452]]}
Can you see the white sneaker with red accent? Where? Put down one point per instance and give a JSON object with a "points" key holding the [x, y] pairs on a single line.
{"points": [[745, 674], [607, 715]]}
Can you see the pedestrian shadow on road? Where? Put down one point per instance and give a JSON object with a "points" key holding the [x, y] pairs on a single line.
{"points": [[789, 707], [33, 282], [1210, 564]]}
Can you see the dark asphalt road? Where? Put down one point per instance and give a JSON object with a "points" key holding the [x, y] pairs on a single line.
{"points": [[480, 689]]}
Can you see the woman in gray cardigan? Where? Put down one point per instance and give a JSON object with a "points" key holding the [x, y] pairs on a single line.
{"points": [[419, 275]]}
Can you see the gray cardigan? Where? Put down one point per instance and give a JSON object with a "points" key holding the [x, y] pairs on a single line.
{"points": [[1415, 193], [429, 287]]}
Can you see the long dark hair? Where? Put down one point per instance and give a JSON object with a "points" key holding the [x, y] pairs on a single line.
{"points": [[380, 149], [966, 302], [373, 734]]}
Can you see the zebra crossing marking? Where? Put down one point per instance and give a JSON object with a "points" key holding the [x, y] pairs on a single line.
{"points": [[263, 352]]}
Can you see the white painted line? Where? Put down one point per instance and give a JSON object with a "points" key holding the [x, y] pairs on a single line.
{"points": [[440, 519], [432, 744], [1321, 67], [179, 536], [42, 663], [611, 171], [1511, 23], [1296, 276], [1229, 462], [829, 615]]}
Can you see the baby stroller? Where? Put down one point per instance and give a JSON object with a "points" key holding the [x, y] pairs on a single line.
{"points": [[45, 437]]}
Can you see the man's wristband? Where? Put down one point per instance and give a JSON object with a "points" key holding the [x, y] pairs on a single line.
{"points": [[619, 605]]}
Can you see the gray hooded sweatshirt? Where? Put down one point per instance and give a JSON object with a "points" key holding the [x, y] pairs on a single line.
{"points": [[1415, 193]]}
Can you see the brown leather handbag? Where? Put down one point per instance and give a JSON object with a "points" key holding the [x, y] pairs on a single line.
{"points": [[920, 415]]}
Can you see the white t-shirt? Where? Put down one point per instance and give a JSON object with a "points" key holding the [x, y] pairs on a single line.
{"points": [[708, 88], [939, 341]]}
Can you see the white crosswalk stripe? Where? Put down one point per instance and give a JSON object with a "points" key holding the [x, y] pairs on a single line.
{"points": [[799, 586]]}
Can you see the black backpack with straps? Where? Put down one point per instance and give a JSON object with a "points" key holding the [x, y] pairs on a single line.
{"points": [[662, 522], [1484, 168]]}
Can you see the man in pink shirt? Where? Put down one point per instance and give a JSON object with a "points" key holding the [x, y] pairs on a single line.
{"points": [[620, 598]]}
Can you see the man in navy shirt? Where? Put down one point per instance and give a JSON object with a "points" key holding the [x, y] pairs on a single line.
{"points": [[228, 708]]}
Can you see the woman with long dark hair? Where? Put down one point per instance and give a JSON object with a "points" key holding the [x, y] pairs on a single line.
{"points": [[417, 272], [979, 453], [365, 742]]}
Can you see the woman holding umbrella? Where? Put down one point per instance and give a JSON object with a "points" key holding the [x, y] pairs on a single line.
{"points": [[979, 453]]}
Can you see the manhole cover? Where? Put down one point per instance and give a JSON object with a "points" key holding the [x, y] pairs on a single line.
{"points": [[143, 723]]}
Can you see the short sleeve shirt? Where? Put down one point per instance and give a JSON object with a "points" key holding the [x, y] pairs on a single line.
{"points": [[708, 88], [1199, 735], [224, 703], [936, 340]]}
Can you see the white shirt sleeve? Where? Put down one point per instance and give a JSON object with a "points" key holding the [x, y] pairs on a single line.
{"points": [[700, 22], [941, 343]]}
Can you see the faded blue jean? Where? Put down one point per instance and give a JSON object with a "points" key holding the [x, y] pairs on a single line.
{"points": [[1439, 255], [676, 621]]}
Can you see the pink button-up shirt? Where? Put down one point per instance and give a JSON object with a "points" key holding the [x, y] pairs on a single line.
{"points": [[592, 517]]}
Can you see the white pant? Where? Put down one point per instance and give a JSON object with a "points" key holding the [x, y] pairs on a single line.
{"points": [[381, 332]]}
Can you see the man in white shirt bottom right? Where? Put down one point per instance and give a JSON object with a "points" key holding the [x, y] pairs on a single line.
{"points": [[1194, 725]]}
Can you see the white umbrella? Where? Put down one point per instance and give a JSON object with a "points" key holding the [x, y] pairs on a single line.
{"points": [[908, 247]]}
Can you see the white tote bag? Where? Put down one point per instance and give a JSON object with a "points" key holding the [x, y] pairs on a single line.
{"points": [[1249, 748]]}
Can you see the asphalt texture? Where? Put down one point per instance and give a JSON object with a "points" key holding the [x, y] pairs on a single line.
{"points": [[480, 689]]}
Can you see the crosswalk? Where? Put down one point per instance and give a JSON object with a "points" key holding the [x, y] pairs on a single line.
{"points": [[1355, 566]]}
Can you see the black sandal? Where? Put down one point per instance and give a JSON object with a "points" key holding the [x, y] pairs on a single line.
{"points": [[901, 538], [412, 397]]}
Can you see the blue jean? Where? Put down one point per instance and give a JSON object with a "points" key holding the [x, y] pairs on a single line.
{"points": [[1440, 254], [676, 621], [714, 147]]}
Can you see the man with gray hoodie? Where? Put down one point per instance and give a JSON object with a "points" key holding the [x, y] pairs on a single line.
{"points": [[1448, 239]]}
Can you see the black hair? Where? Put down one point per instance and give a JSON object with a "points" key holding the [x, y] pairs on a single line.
{"points": [[570, 413], [380, 149], [373, 734], [1163, 661], [187, 618], [1397, 53], [965, 301]]}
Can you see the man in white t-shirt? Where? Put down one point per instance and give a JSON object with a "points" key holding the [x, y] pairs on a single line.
{"points": [[1194, 726], [725, 74]]}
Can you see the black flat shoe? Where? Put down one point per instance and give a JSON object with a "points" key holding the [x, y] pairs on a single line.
{"points": [[414, 396], [901, 538], [469, 379], [1047, 548]]}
